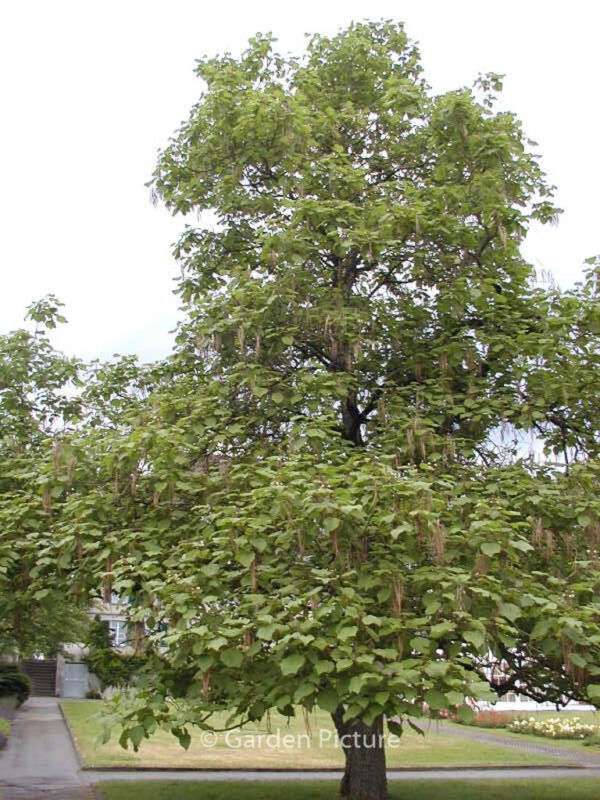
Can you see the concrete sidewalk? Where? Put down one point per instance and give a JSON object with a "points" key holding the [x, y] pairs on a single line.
{"points": [[39, 760]]}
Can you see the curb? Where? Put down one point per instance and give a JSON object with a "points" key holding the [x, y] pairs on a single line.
{"points": [[317, 770], [71, 737]]}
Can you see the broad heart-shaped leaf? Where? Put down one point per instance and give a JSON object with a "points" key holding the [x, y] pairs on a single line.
{"points": [[328, 700], [593, 692], [435, 699], [266, 632], [490, 549], [465, 713], [290, 665], [231, 658], [331, 523], [510, 611], [474, 637], [136, 735], [395, 727]]}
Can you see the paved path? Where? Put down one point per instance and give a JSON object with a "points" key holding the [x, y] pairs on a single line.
{"points": [[583, 757], [39, 760]]}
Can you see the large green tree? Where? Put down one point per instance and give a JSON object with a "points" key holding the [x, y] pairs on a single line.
{"points": [[38, 403], [324, 492]]}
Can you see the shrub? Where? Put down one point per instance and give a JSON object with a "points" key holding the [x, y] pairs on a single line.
{"points": [[593, 740], [554, 728], [14, 683], [110, 667]]}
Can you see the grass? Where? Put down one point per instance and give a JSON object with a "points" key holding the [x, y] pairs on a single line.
{"points": [[4, 726], [575, 745], [436, 749], [539, 789]]}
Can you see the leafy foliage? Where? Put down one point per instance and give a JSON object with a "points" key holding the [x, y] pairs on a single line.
{"points": [[14, 683], [111, 667], [323, 497]]}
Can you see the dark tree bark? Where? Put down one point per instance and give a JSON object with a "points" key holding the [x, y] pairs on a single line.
{"points": [[364, 750]]}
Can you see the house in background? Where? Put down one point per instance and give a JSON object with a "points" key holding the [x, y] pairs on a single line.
{"points": [[67, 675]]}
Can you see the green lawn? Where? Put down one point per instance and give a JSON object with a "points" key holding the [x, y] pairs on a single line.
{"points": [[318, 751], [542, 789], [574, 745]]}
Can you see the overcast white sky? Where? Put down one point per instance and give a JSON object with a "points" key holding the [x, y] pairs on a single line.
{"points": [[91, 90]]}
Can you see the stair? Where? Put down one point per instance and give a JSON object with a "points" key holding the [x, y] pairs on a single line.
{"points": [[42, 675]]}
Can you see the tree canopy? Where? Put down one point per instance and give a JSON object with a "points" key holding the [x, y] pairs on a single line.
{"points": [[324, 492]]}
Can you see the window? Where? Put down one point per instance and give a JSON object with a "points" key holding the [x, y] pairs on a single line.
{"points": [[118, 631]]}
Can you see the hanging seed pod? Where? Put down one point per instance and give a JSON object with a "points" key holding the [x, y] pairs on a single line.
{"points": [[399, 647], [482, 564], [300, 540], [257, 345], [140, 638], [314, 604], [334, 543], [156, 499], [56, 454], [437, 543], [410, 441], [470, 359], [253, 576], [461, 597], [423, 448], [538, 532], [206, 683], [71, 468], [247, 639], [333, 350], [241, 334], [444, 365], [217, 342], [502, 234], [549, 543], [79, 548], [397, 597], [47, 498], [570, 545], [117, 480]]}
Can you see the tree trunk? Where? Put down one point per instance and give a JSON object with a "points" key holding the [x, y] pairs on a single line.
{"points": [[363, 745]]}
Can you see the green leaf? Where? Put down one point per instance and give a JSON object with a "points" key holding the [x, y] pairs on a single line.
{"points": [[331, 523], [510, 611], [136, 735], [328, 700], [291, 665], [232, 658], [490, 549], [435, 699], [474, 637], [465, 714]]}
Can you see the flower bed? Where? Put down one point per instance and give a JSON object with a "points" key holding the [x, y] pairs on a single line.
{"points": [[554, 728], [491, 719]]}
